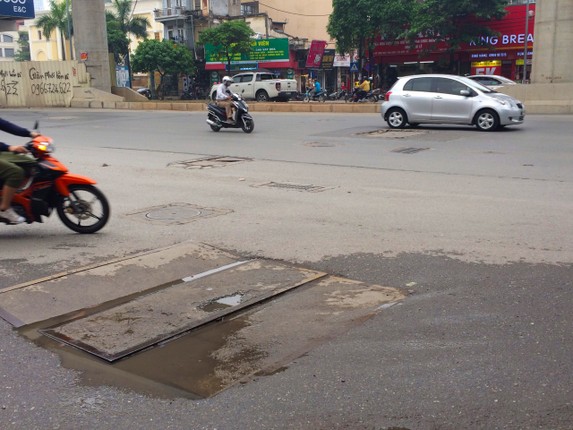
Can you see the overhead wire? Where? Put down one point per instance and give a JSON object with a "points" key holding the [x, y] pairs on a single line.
{"points": [[292, 13]]}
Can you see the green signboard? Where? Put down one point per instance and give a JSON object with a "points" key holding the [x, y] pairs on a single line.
{"points": [[262, 50]]}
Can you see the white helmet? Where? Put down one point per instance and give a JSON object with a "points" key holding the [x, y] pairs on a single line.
{"points": [[227, 80]]}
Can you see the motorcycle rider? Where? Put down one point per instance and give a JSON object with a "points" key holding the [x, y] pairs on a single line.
{"points": [[224, 97], [363, 89], [11, 173]]}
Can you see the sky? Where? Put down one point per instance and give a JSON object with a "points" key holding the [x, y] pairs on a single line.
{"points": [[40, 5]]}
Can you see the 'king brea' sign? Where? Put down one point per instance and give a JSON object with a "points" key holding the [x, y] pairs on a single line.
{"points": [[17, 8]]}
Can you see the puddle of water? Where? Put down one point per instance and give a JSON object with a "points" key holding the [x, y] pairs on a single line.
{"points": [[189, 365], [222, 303]]}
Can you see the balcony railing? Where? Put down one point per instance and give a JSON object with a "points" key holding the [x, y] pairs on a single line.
{"points": [[171, 12]]}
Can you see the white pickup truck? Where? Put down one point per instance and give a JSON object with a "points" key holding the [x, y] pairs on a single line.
{"points": [[260, 86]]}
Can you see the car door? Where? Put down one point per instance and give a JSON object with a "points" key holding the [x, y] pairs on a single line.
{"points": [[416, 99], [449, 105], [244, 85]]}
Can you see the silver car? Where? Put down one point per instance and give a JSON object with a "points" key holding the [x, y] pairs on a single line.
{"points": [[448, 99]]}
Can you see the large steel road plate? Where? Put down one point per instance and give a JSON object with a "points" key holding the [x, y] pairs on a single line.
{"points": [[108, 282], [122, 330]]}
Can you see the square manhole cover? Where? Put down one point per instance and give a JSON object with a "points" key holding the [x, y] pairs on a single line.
{"points": [[176, 213]]}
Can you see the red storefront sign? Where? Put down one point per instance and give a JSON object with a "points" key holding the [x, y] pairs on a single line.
{"points": [[510, 36], [315, 53]]}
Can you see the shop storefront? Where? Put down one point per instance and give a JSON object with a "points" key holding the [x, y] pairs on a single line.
{"points": [[502, 54], [269, 54]]}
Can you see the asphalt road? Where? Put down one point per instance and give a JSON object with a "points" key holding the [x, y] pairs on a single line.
{"points": [[474, 227]]}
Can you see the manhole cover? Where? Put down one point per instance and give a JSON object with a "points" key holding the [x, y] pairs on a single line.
{"points": [[394, 134], [177, 213], [296, 187], [207, 163]]}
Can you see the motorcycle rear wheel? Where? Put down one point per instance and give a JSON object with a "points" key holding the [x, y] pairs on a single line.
{"points": [[86, 210]]}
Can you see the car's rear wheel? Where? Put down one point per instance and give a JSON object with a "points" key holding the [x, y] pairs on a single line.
{"points": [[487, 120], [396, 118], [262, 96]]}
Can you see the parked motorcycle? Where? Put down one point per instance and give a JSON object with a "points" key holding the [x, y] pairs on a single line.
{"points": [[314, 96], [49, 186], [145, 92], [336, 95], [217, 117]]}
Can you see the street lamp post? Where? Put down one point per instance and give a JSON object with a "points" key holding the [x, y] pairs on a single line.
{"points": [[524, 77]]}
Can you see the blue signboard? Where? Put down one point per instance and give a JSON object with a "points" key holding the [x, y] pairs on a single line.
{"points": [[17, 8]]}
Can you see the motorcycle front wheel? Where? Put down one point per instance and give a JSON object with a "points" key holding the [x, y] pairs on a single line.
{"points": [[85, 210], [248, 125]]}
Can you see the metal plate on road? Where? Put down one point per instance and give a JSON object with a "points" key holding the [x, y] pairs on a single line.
{"points": [[122, 330], [123, 278]]}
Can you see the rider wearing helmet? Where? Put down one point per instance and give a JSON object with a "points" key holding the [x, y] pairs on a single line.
{"points": [[223, 97]]}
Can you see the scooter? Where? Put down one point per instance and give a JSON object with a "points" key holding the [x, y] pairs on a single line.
{"points": [[217, 117], [310, 95], [49, 186]]}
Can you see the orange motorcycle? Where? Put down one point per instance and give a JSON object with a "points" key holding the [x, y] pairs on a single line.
{"points": [[49, 186]]}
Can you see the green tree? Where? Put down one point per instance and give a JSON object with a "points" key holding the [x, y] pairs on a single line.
{"points": [[228, 39], [355, 24], [164, 57], [23, 53], [454, 21], [57, 19], [121, 24]]}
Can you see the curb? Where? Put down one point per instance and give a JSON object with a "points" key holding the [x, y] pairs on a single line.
{"points": [[198, 106]]}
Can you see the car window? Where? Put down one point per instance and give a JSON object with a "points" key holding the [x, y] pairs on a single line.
{"points": [[449, 86], [419, 84], [486, 80]]}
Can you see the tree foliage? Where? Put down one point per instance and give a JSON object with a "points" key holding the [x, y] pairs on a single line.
{"points": [[121, 24], [23, 53], [228, 39], [163, 57], [356, 24], [451, 20], [57, 19]]}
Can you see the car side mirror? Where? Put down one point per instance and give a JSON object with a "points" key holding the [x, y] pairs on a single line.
{"points": [[465, 93]]}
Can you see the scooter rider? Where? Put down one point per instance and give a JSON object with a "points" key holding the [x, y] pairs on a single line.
{"points": [[10, 173], [224, 97]]}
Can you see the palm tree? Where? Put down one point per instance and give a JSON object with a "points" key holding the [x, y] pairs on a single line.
{"points": [[127, 24], [56, 20]]}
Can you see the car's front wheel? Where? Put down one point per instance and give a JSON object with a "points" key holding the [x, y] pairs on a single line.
{"points": [[487, 120], [396, 118]]}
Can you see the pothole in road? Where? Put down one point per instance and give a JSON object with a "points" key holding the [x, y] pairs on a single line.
{"points": [[208, 163], [294, 187], [394, 134]]}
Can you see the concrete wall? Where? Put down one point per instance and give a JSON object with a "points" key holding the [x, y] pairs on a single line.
{"points": [[552, 58], [40, 83], [543, 98]]}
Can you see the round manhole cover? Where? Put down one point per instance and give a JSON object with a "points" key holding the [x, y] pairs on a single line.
{"points": [[174, 213]]}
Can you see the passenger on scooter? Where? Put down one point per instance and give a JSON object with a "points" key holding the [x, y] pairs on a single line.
{"points": [[11, 174], [224, 97]]}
